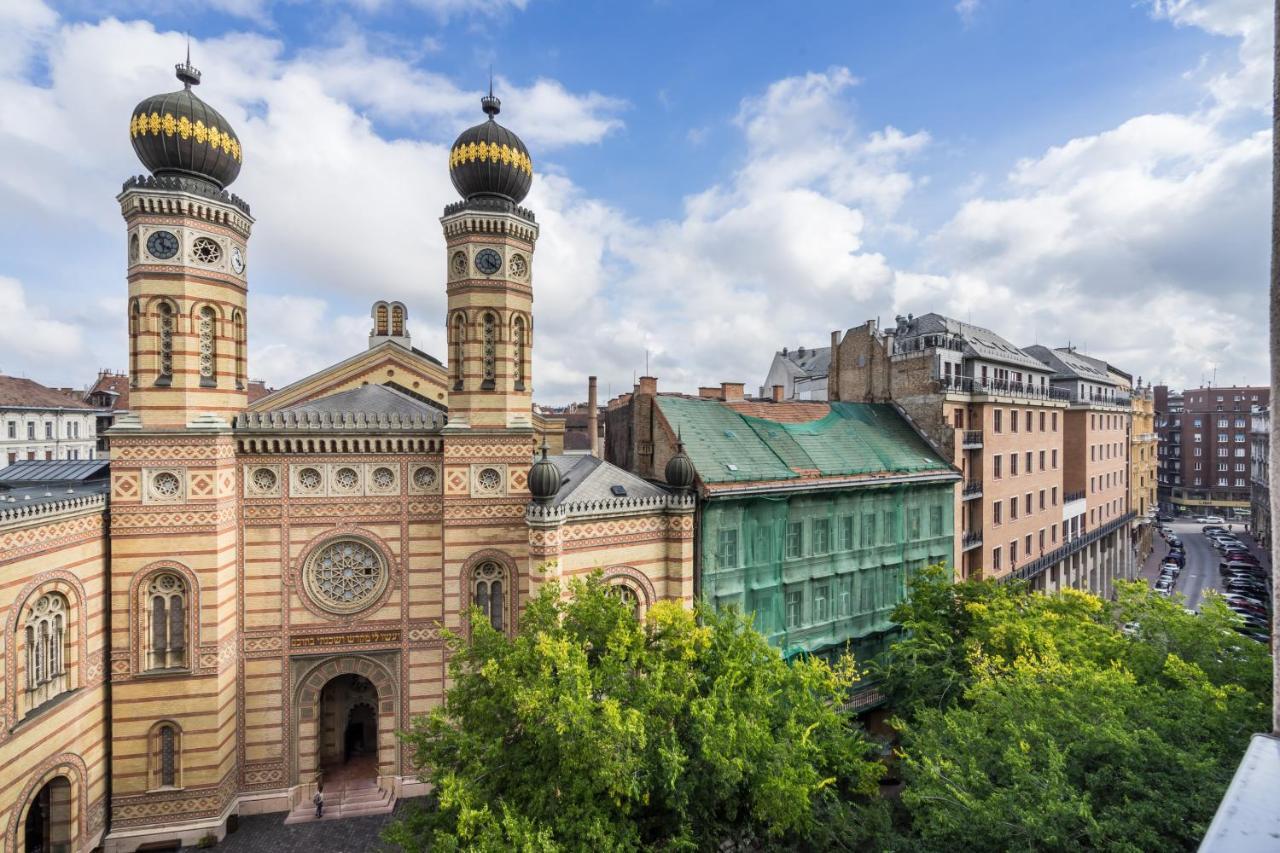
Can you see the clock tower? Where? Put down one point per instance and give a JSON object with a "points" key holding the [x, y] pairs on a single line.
{"points": [[187, 243], [489, 256]]}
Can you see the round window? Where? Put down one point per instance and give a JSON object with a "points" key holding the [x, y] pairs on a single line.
{"points": [[166, 485], [489, 480], [345, 576], [309, 479], [264, 479], [206, 251], [346, 478], [424, 477], [384, 478]]}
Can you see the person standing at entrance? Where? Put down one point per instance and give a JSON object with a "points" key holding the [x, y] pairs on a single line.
{"points": [[318, 799]]}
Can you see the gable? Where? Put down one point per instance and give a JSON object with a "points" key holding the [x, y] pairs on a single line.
{"points": [[387, 363]]}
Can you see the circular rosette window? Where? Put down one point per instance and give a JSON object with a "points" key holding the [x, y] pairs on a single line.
{"points": [[345, 576]]}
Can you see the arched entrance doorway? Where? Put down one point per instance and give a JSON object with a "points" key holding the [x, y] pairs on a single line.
{"points": [[47, 827], [348, 728]]}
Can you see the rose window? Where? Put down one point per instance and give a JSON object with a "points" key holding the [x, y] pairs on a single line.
{"points": [[519, 267], [424, 478], [166, 485], [264, 479], [489, 480], [383, 478], [459, 263], [309, 479], [345, 576], [206, 251], [346, 478]]}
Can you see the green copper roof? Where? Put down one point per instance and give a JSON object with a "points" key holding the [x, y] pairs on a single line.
{"points": [[853, 439]]}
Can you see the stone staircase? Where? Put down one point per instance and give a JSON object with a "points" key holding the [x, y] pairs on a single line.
{"points": [[347, 801]]}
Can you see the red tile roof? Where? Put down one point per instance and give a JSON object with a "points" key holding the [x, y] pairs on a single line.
{"points": [[15, 391], [790, 412], [116, 383]]}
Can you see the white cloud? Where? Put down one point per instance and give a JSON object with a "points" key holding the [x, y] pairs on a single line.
{"points": [[966, 9], [29, 336]]}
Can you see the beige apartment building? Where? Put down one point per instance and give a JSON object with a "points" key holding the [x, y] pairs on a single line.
{"points": [[1044, 495]]}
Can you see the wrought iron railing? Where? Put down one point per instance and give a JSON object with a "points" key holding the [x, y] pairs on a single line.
{"points": [[972, 438], [972, 489], [1073, 496], [971, 540], [970, 385], [1039, 564]]}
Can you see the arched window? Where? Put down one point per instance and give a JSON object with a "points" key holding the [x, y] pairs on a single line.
{"points": [[165, 756], [459, 341], [380, 320], [166, 613], [489, 593], [208, 350], [629, 597], [490, 352], [45, 654], [166, 330], [397, 320], [135, 327], [517, 338], [237, 322]]}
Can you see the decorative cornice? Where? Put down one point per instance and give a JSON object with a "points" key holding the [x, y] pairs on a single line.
{"points": [[21, 513], [336, 422], [539, 514], [176, 183]]}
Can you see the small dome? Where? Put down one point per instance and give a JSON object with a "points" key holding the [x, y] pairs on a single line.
{"points": [[679, 471], [490, 161], [544, 478], [179, 134]]}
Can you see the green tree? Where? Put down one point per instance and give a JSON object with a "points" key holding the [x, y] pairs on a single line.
{"points": [[590, 730], [1062, 722]]}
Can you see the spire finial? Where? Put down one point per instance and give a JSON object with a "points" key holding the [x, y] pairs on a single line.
{"points": [[187, 72], [491, 105], [544, 447]]}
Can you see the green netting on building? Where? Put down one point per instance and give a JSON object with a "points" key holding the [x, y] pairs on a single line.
{"points": [[824, 570], [853, 438]]}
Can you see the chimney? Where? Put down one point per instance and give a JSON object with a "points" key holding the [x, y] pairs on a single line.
{"points": [[833, 369], [710, 392], [648, 385], [777, 393], [732, 392], [593, 416], [800, 352]]}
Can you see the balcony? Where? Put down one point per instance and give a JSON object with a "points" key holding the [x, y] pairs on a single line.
{"points": [[970, 541], [971, 490], [1038, 565], [1004, 388], [972, 439]]}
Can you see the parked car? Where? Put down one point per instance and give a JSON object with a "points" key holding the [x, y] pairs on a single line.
{"points": [[1176, 557], [1253, 634], [1165, 585], [1247, 585], [1212, 528], [1175, 542], [1245, 605], [1212, 519]]}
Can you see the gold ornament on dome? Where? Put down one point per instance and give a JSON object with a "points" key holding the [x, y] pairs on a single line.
{"points": [[166, 125], [491, 152]]}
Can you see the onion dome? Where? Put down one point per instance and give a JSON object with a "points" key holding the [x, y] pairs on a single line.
{"points": [[489, 161], [679, 471], [178, 134], [544, 478]]}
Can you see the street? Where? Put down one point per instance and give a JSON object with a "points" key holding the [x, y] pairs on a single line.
{"points": [[1201, 571]]}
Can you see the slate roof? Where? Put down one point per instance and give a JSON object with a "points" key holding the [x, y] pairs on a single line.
{"points": [[979, 342], [18, 392], [814, 362], [116, 388], [848, 439], [588, 478], [31, 471], [370, 400], [1068, 364]]}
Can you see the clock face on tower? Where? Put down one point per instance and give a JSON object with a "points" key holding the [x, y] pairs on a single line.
{"points": [[162, 245], [488, 261], [237, 260]]}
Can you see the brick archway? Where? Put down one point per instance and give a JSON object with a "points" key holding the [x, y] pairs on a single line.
{"points": [[307, 744]]}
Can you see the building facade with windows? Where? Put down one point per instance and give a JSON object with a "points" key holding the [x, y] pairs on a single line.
{"points": [[811, 516], [1206, 450], [37, 422], [278, 571], [801, 373], [1260, 474]]}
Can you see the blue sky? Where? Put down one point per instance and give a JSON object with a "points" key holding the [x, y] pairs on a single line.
{"points": [[714, 181]]}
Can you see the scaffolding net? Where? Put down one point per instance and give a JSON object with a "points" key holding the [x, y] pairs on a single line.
{"points": [[823, 571]]}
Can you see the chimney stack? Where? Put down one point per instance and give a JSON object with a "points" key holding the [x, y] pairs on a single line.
{"points": [[593, 416], [710, 392], [833, 368], [777, 393], [732, 392]]}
